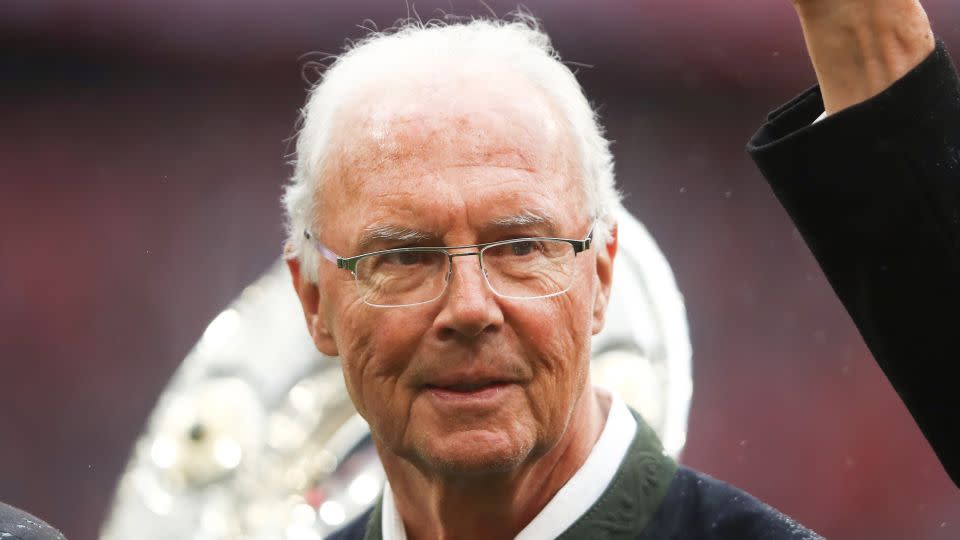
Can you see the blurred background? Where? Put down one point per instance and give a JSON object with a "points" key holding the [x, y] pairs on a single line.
{"points": [[143, 147]]}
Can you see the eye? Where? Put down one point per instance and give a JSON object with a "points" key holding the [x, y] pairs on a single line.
{"points": [[405, 258], [520, 249]]}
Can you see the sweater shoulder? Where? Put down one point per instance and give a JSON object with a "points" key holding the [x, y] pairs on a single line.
{"points": [[700, 507]]}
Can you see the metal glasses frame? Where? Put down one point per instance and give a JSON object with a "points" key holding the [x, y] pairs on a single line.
{"points": [[350, 263]]}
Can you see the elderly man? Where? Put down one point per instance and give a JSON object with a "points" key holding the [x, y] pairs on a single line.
{"points": [[451, 241]]}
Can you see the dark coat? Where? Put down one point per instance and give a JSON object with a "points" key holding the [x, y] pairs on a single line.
{"points": [[875, 192]]}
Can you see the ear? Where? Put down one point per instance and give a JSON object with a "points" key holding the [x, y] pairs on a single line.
{"points": [[605, 256], [309, 293]]}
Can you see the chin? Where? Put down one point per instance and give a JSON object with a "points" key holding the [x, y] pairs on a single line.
{"points": [[473, 453]]}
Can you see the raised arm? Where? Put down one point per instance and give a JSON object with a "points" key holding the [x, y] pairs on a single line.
{"points": [[860, 47], [875, 191]]}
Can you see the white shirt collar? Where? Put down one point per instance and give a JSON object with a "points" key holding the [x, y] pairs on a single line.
{"points": [[574, 498]]}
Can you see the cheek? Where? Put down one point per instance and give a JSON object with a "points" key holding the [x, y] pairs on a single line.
{"points": [[558, 337], [569, 332], [375, 347]]}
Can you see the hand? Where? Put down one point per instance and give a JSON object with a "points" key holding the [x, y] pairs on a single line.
{"points": [[861, 47]]}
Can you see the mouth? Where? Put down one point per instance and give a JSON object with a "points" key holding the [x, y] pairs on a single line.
{"points": [[471, 395], [466, 387]]}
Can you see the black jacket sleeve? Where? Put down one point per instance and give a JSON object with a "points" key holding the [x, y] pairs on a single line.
{"points": [[875, 192]]}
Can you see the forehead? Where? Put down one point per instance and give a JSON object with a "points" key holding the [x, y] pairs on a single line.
{"points": [[458, 140], [457, 117]]}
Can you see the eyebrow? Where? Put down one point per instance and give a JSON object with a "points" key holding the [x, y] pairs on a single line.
{"points": [[386, 233], [374, 234], [526, 218]]}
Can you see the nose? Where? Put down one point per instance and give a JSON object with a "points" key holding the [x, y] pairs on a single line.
{"points": [[470, 308]]}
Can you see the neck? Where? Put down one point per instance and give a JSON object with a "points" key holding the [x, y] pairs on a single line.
{"points": [[496, 505]]}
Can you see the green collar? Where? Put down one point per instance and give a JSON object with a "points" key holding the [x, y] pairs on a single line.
{"points": [[625, 507], [375, 523], [633, 496]]}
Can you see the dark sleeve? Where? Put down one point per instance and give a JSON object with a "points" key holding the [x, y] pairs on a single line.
{"points": [[875, 192], [16, 524], [699, 507]]}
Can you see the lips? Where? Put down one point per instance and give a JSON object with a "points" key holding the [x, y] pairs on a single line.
{"points": [[474, 397], [456, 393], [467, 386]]}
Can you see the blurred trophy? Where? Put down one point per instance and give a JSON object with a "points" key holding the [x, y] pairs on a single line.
{"points": [[255, 437]]}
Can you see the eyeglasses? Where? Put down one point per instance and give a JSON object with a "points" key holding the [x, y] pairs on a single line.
{"points": [[521, 268]]}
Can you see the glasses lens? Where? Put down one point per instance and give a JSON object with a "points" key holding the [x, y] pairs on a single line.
{"points": [[399, 278], [529, 268]]}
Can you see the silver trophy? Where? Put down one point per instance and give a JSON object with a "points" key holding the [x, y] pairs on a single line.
{"points": [[255, 437]]}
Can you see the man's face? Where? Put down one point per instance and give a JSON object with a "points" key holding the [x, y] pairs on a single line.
{"points": [[471, 382]]}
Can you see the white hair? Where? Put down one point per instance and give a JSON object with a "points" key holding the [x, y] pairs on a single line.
{"points": [[416, 49]]}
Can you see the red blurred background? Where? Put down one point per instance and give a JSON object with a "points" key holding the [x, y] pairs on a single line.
{"points": [[143, 147]]}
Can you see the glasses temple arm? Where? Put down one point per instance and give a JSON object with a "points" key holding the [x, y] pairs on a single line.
{"points": [[324, 250]]}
